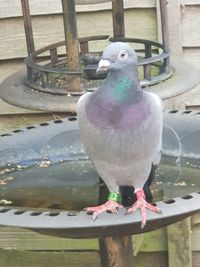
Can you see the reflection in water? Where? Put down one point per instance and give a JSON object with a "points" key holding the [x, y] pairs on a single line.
{"points": [[75, 185]]}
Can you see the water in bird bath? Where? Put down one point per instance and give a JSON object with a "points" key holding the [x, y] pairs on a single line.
{"points": [[64, 185], [73, 185], [176, 179]]}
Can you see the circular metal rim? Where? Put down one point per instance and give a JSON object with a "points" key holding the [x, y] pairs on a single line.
{"points": [[33, 66], [81, 225], [29, 61], [14, 89]]}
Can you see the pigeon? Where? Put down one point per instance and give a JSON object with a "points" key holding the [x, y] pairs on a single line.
{"points": [[121, 130]]}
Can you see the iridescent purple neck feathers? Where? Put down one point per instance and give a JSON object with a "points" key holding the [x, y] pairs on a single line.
{"points": [[118, 104], [121, 117]]}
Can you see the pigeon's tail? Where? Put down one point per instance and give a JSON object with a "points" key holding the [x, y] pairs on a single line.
{"points": [[127, 192]]}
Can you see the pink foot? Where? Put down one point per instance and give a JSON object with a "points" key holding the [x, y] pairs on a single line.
{"points": [[110, 205], [142, 204]]}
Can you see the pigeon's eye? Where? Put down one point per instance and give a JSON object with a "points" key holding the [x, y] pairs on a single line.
{"points": [[123, 54]]}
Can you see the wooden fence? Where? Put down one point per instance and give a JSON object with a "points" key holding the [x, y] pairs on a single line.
{"points": [[184, 21], [175, 246]]}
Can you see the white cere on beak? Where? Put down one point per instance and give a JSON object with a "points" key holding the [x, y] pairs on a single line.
{"points": [[103, 65]]}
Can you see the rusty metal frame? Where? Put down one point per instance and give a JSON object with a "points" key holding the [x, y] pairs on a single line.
{"points": [[68, 65], [36, 67]]}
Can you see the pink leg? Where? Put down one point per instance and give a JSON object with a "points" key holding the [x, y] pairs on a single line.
{"points": [[110, 206], [142, 204]]}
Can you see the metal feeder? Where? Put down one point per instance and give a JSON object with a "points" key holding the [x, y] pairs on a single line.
{"points": [[31, 145], [55, 84]]}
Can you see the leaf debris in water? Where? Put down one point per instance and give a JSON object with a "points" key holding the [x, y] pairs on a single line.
{"points": [[45, 164], [5, 180], [181, 183], [5, 202], [7, 170]]}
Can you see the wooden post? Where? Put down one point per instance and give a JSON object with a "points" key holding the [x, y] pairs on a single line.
{"points": [[28, 26], [165, 32], [115, 251], [71, 39], [173, 9], [164, 25], [118, 18], [175, 29]]}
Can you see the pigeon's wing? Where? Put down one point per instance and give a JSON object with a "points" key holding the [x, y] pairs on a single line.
{"points": [[158, 107], [80, 109], [85, 129]]}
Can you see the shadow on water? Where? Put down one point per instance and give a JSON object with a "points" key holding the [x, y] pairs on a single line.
{"points": [[73, 185]]}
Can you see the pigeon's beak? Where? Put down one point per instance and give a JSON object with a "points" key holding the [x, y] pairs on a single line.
{"points": [[103, 66]]}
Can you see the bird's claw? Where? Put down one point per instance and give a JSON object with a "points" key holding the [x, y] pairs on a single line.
{"points": [[142, 204], [110, 206]]}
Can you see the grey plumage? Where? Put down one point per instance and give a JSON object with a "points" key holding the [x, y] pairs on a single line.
{"points": [[120, 124]]}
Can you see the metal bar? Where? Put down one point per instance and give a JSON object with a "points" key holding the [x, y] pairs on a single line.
{"points": [[115, 251], [118, 18], [71, 40], [147, 72], [93, 38], [165, 32], [164, 25], [84, 47], [44, 77], [53, 55], [147, 68], [135, 40], [28, 26]]}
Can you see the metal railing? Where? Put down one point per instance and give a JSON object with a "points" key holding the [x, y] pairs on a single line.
{"points": [[48, 73]]}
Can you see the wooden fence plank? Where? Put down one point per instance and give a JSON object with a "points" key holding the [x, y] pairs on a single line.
{"points": [[195, 219], [9, 66], [179, 244], [190, 2], [154, 241], [23, 239], [12, 8], [190, 26], [192, 54], [14, 258], [196, 259], [174, 22], [49, 29]]}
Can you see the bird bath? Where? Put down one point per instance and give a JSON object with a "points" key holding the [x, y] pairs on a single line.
{"points": [[46, 180], [44, 167]]}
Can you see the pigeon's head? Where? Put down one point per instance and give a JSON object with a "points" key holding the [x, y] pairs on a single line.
{"points": [[116, 56]]}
